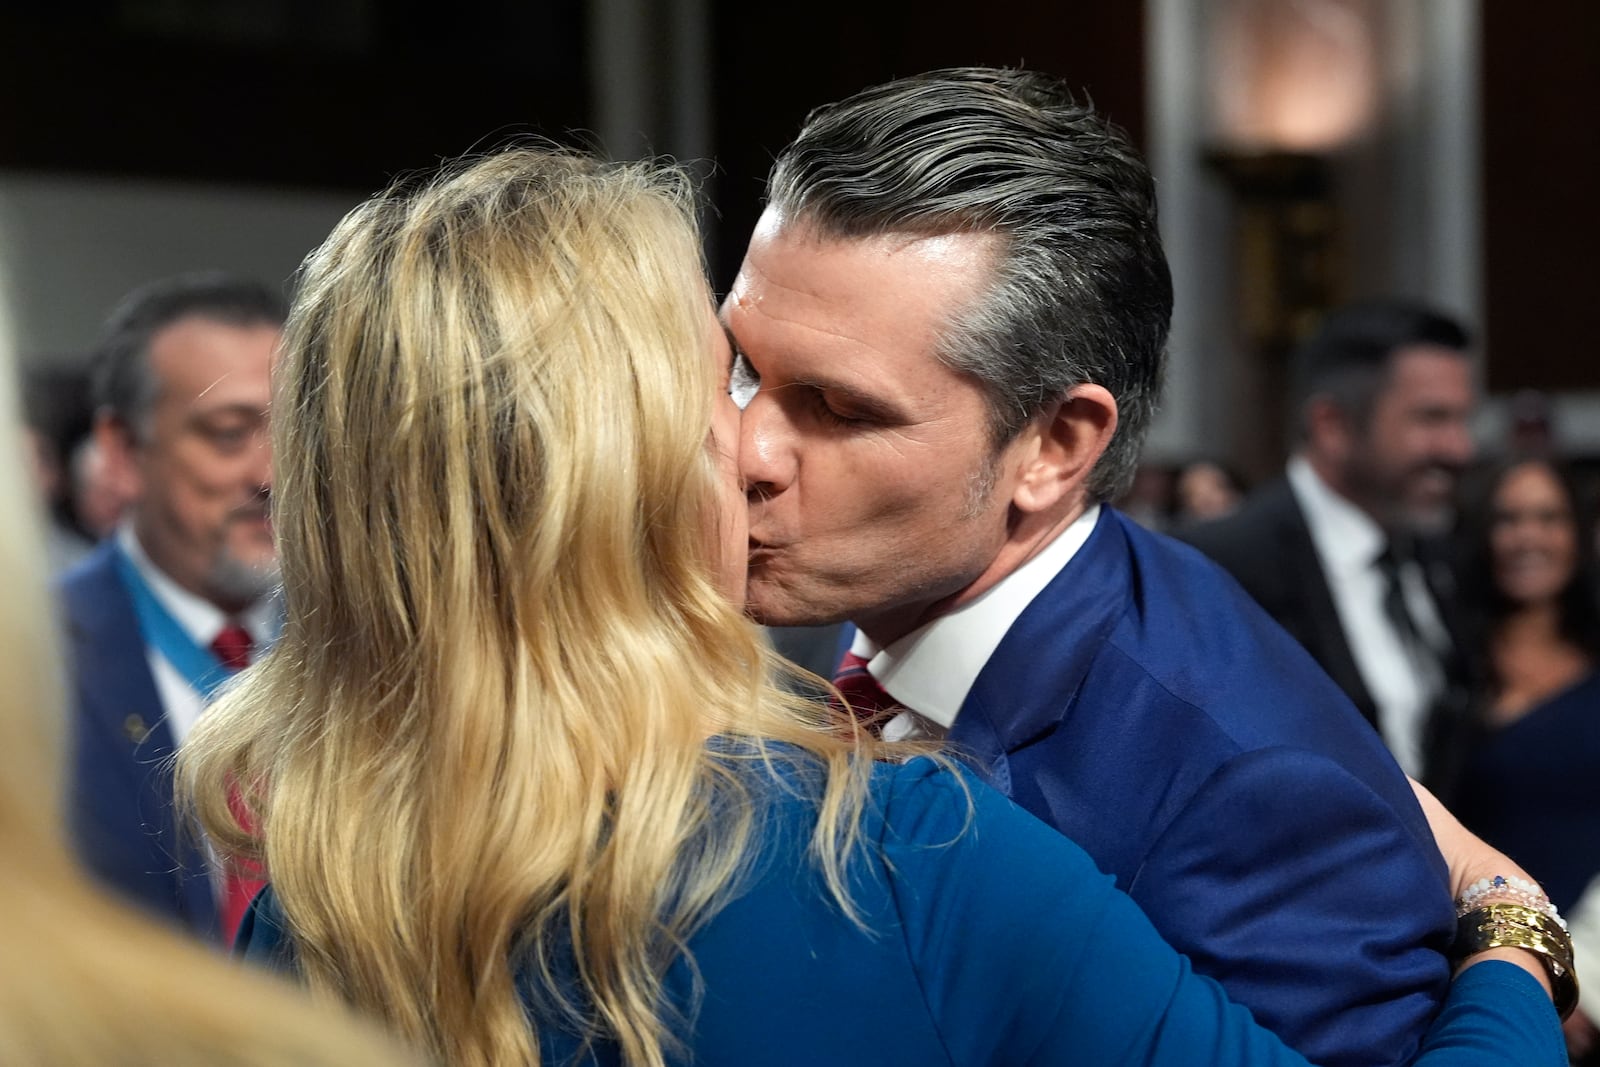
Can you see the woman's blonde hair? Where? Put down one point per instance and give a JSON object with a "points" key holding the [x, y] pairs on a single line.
{"points": [[481, 744], [84, 980]]}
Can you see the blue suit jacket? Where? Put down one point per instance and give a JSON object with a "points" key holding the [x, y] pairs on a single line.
{"points": [[120, 788], [1148, 709]]}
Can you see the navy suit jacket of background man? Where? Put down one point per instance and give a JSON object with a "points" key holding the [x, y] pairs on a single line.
{"points": [[121, 799]]}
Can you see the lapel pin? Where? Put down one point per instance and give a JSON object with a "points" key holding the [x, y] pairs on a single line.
{"points": [[135, 728]]}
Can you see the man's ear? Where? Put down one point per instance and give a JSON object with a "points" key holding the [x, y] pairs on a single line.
{"points": [[1063, 444], [1329, 433], [120, 450]]}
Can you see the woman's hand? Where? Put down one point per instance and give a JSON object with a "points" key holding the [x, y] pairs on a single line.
{"points": [[1470, 858]]}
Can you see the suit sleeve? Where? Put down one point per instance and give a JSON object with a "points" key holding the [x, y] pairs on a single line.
{"points": [[1029, 955], [1305, 894]]}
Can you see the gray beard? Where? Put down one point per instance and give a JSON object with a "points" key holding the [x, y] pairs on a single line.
{"points": [[234, 580], [1435, 522]]}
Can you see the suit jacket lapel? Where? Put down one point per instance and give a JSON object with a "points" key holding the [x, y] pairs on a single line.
{"points": [[1452, 722], [113, 670], [118, 694], [1303, 574], [1438, 571], [1047, 652]]}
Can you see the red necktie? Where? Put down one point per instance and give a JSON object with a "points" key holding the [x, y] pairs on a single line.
{"points": [[867, 698], [233, 646], [240, 884]]}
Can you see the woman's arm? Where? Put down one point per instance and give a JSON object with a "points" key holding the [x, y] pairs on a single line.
{"points": [[1028, 954], [1471, 860]]}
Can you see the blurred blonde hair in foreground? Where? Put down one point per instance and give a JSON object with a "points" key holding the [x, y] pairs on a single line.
{"points": [[84, 980], [482, 740]]}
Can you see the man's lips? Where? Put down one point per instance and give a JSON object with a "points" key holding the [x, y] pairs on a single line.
{"points": [[261, 517], [1527, 560]]}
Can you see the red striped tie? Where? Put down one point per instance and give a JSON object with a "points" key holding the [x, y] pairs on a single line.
{"points": [[861, 690]]}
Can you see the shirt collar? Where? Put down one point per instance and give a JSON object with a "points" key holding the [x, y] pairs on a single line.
{"points": [[200, 619], [931, 669], [1346, 538]]}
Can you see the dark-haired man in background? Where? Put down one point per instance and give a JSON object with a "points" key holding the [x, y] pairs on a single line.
{"points": [[956, 305], [181, 595], [1340, 550]]}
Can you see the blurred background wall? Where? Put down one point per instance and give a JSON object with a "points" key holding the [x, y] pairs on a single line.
{"points": [[1308, 151]]}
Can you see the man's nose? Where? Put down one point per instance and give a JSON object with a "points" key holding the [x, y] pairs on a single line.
{"points": [[260, 470], [766, 448], [1457, 444]]}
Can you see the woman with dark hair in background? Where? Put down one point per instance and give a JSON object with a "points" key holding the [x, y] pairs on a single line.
{"points": [[518, 768], [1205, 489], [1531, 778], [1531, 774]]}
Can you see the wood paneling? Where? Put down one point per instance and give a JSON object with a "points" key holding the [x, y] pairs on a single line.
{"points": [[1541, 139], [281, 94], [776, 62]]}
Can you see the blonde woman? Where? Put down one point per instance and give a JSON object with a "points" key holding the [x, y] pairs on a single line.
{"points": [[84, 980], [519, 773]]}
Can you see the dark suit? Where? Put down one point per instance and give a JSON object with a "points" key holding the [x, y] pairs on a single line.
{"points": [[120, 788], [1145, 707], [1266, 545]]}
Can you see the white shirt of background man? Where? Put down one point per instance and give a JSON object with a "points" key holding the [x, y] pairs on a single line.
{"points": [[201, 620], [1404, 685]]}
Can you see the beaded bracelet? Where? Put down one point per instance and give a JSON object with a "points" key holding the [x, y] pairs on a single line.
{"points": [[1506, 890]]}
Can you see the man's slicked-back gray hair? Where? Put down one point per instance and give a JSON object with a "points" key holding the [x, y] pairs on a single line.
{"points": [[1080, 293]]}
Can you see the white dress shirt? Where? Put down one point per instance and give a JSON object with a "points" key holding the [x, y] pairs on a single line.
{"points": [[1404, 684], [202, 621], [933, 668]]}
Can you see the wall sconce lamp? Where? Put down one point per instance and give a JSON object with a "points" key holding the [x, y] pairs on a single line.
{"points": [[1292, 82]]}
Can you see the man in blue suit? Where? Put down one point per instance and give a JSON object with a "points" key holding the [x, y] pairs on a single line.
{"points": [[949, 328], [165, 609]]}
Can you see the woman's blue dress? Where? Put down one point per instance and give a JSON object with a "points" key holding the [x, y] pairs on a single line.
{"points": [[990, 939], [1532, 790]]}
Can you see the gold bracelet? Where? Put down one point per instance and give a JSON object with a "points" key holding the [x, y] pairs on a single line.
{"points": [[1519, 926]]}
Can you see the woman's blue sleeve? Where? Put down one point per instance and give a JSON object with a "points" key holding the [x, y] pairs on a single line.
{"points": [[263, 937], [1027, 954]]}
